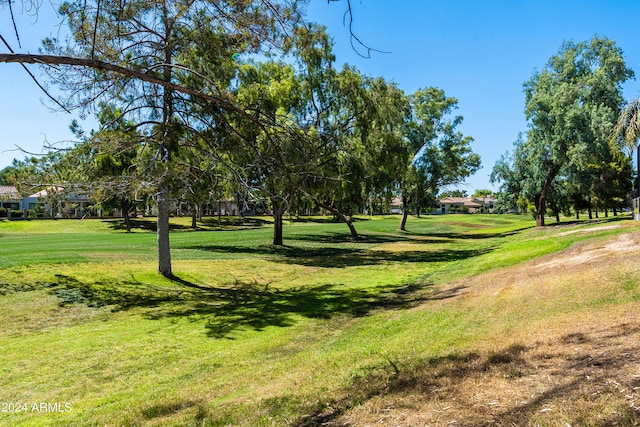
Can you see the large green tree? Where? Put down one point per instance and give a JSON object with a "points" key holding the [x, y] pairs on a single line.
{"points": [[271, 162], [369, 151], [441, 155], [571, 106], [132, 54]]}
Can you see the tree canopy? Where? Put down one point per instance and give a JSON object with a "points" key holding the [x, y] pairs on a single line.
{"points": [[571, 106]]}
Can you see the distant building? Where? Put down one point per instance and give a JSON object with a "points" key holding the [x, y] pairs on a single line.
{"points": [[396, 205], [10, 199], [56, 202], [466, 204], [50, 202]]}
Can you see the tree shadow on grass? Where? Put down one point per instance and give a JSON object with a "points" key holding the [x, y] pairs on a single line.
{"points": [[332, 257], [142, 224], [234, 222], [404, 236], [256, 306], [586, 221], [241, 305], [340, 237], [324, 219], [207, 224]]}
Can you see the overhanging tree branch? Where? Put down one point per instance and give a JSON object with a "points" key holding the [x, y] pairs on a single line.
{"points": [[27, 58], [34, 77]]}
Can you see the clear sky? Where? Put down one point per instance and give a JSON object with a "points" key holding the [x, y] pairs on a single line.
{"points": [[480, 52]]}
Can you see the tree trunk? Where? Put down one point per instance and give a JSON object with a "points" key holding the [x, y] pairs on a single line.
{"points": [[328, 206], [164, 249], [194, 216], [343, 217], [542, 202], [590, 212], [278, 212], [577, 214], [542, 207], [352, 228], [405, 214], [125, 214], [557, 216]]}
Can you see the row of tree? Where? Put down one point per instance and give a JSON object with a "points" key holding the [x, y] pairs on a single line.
{"points": [[200, 99], [209, 97]]}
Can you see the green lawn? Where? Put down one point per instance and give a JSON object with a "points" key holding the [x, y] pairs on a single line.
{"points": [[250, 334]]}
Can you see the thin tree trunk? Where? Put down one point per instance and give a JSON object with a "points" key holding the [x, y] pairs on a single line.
{"points": [[125, 214], [278, 212], [405, 214], [328, 206], [164, 248], [542, 203], [167, 145], [590, 212], [343, 217]]}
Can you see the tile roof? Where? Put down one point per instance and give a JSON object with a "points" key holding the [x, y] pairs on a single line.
{"points": [[9, 192]]}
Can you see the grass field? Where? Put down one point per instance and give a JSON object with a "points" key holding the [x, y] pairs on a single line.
{"points": [[463, 320]]}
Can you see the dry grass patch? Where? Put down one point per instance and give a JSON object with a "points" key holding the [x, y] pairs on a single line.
{"points": [[562, 348], [590, 376]]}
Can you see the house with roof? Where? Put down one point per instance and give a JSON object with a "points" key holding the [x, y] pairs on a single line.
{"points": [[466, 205], [10, 200], [50, 202], [56, 202]]}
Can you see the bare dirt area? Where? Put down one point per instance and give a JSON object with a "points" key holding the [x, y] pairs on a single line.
{"points": [[582, 256], [562, 349], [589, 230]]}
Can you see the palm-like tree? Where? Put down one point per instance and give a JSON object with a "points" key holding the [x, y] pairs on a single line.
{"points": [[628, 125]]}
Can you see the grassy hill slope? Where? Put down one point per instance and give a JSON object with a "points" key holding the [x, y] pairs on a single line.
{"points": [[467, 320]]}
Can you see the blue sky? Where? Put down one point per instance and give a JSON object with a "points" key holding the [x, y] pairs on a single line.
{"points": [[480, 52]]}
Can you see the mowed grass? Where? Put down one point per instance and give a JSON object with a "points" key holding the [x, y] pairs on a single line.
{"points": [[251, 334]]}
